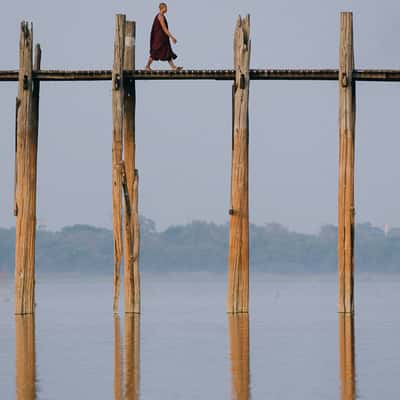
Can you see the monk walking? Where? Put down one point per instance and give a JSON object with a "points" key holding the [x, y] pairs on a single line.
{"points": [[160, 45]]}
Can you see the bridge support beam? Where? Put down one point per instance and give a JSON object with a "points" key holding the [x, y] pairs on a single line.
{"points": [[27, 124], [346, 210], [238, 274], [131, 180]]}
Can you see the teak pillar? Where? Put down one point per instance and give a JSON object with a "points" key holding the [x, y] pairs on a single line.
{"points": [[238, 274], [130, 182], [346, 210], [117, 145], [26, 173]]}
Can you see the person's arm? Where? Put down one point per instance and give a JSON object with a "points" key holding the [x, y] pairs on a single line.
{"points": [[165, 29]]}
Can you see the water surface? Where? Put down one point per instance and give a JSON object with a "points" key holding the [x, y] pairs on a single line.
{"points": [[293, 344]]}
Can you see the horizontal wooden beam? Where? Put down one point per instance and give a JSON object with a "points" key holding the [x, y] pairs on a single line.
{"points": [[223, 75]]}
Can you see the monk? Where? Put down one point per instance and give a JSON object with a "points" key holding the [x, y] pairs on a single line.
{"points": [[160, 45]]}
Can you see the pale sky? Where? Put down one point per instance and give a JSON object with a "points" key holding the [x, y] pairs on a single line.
{"points": [[184, 128]]}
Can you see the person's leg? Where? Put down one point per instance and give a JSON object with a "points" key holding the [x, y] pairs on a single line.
{"points": [[171, 63], [149, 64], [173, 66]]}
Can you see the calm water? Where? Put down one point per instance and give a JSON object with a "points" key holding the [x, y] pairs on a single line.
{"points": [[293, 346]]}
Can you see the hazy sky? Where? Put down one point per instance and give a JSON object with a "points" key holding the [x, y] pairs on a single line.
{"points": [[183, 128]]}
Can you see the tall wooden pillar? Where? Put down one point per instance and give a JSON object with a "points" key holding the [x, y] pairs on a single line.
{"points": [[347, 357], [26, 173], [238, 274], [346, 210], [117, 146], [131, 215], [25, 355], [239, 355]]}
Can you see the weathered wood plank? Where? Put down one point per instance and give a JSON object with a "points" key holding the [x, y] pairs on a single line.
{"points": [[238, 275], [117, 146], [346, 210], [131, 286], [366, 75], [25, 208]]}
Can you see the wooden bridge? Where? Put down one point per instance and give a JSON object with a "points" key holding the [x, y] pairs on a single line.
{"points": [[125, 177]]}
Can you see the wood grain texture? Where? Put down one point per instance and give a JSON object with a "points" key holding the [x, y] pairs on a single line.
{"points": [[26, 174], [347, 357], [131, 238], [238, 274], [117, 147], [25, 354], [346, 210], [239, 355]]}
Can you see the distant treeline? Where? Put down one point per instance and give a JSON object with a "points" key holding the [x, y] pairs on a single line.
{"points": [[202, 246]]}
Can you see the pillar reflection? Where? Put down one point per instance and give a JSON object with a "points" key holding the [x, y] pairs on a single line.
{"points": [[239, 355], [347, 357], [25, 352], [127, 358], [118, 372], [132, 356]]}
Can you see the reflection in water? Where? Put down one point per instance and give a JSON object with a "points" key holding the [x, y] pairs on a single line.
{"points": [[132, 356], [25, 357], [118, 378], [129, 364], [347, 357], [240, 360]]}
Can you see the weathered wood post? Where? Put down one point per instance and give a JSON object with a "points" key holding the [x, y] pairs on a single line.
{"points": [[117, 145], [238, 275], [26, 173], [130, 176], [239, 355], [25, 355], [347, 356], [346, 210], [132, 356]]}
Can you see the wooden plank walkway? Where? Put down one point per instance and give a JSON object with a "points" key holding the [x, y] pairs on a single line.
{"points": [[223, 75]]}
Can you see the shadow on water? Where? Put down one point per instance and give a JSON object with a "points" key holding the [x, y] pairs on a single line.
{"points": [[347, 357], [127, 358], [25, 353], [239, 355]]}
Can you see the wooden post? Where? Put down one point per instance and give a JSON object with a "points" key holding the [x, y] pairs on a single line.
{"points": [[26, 174], [238, 275], [131, 237], [25, 354], [346, 210], [132, 356], [347, 356], [240, 359], [117, 143]]}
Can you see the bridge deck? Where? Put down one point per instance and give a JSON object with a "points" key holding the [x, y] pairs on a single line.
{"points": [[223, 75]]}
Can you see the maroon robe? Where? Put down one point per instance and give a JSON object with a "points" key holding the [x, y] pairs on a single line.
{"points": [[160, 45]]}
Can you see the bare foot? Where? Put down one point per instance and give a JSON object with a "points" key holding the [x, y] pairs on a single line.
{"points": [[148, 68], [177, 68]]}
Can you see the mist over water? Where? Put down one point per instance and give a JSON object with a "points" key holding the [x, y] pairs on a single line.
{"points": [[293, 344]]}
